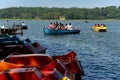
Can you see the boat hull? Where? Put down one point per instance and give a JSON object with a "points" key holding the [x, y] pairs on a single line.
{"points": [[52, 31], [47, 67], [99, 29], [24, 27]]}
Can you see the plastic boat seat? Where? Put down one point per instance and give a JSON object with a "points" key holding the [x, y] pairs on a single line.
{"points": [[34, 48], [30, 59], [6, 65], [10, 49], [21, 74], [52, 74], [54, 64], [66, 57]]}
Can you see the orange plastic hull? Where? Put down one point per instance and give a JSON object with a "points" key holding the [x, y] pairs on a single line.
{"points": [[50, 67]]}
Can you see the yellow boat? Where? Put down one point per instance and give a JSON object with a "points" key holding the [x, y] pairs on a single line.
{"points": [[99, 28]]}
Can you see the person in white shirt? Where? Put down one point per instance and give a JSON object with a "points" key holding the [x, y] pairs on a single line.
{"points": [[69, 26], [3, 27], [23, 24]]}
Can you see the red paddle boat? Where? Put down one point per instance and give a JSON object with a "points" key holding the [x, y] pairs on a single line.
{"points": [[41, 67]]}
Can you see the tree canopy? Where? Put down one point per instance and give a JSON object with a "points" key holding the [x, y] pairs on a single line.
{"points": [[73, 13]]}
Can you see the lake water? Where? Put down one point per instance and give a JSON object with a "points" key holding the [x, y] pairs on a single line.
{"points": [[99, 53]]}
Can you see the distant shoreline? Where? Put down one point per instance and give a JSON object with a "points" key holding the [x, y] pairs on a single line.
{"points": [[66, 19]]}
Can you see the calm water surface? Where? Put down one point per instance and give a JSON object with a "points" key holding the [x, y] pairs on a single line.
{"points": [[99, 53]]}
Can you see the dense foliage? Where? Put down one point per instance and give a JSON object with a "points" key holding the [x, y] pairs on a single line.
{"points": [[111, 12]]}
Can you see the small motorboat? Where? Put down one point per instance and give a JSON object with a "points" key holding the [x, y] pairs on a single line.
{"points": [[53, 31], [41, 67], [24, 27], [86, 21], [99, 28]]}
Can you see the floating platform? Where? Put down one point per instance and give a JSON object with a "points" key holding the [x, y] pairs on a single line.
{"points": [[11, 31]]}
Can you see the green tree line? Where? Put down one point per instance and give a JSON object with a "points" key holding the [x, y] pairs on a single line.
{"points": [[74, 13]]}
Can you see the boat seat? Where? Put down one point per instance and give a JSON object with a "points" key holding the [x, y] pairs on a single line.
{"points": [[6, 65], [30, 59], [9, 49], [34, 48], [21, 74], [66, 58]]}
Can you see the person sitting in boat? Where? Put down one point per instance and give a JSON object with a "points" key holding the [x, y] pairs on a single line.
{"points": [[23, 24], [59, 26], [98, 25], [101, 25], [56, 24], [104, 25], [66, 26], [13, 25], [95, 25], [69, 26], [62, 27], [2, 26], [51, 26]]}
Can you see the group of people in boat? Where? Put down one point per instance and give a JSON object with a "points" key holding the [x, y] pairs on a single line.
{"points": [[20, 24], [60, 26], [99, 25]]}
